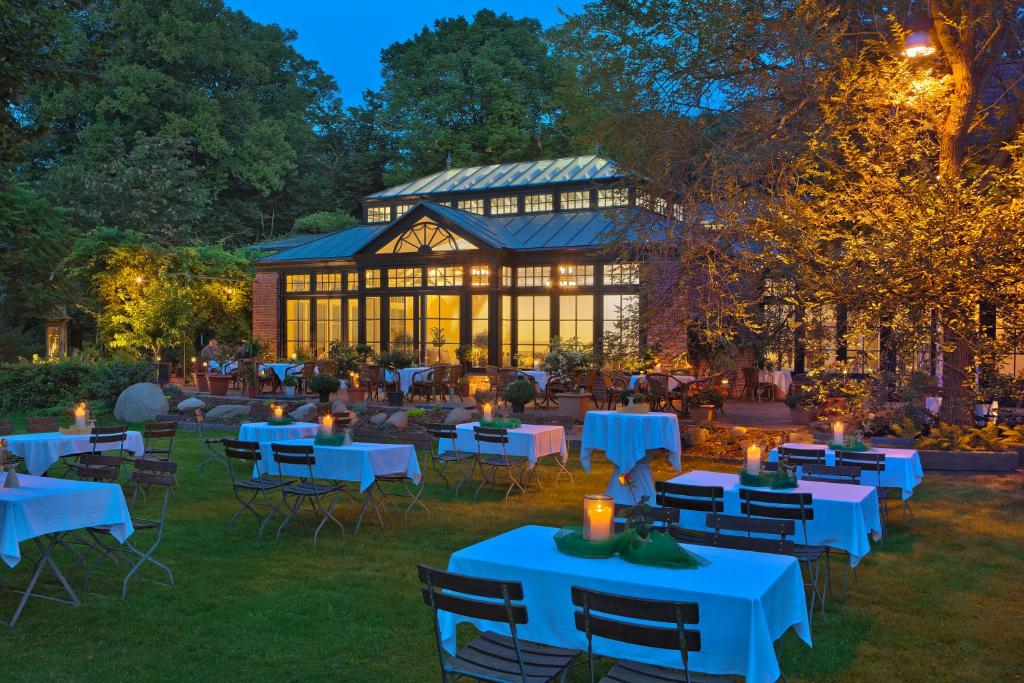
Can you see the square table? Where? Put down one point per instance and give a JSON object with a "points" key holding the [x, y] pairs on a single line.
{"points": [[361, 462], [747, 600], [405, 377], [41, 450], [845, 515], [673, 381], [48, 507], [625, 439], [261, 432], [902, 466], [533, 441]]}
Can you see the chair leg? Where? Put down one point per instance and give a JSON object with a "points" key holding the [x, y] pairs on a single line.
{"points": [[245, 505], [144, 557], [326, 515]]}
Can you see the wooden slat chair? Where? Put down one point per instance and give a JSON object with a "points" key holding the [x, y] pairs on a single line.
{"points": [[782, 528], [453, 382], [423, 382], [755, 388], [147, 474], [106, 445], [248, 453], [490, 657], [6, 426], [517, 467], [798, 507], [662, 517], [837, 474], [871, 465], [442, 458], [657, 385], [616, 617], [803, 456], [159, 440], [308, 489], [689, 497], [210, 445], [41, 425]]}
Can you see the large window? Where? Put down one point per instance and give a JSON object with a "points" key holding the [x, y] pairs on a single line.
{"points": [[471, 205], [533, 276], [404, 277], [328, 282], [425, 237], [480, 276], [352, 321], [444, 276], [296, 283], [371, 277], [533, 327], [506, 330], [621, 274], [328, 324], [479, 329], [618, 329], [615, 196], [372, 319], [297, 327], [401, 209], [576, 318], [352, 282], [575, 276], [441, 320], [533, 203], [378, 214], [504, 205], [575, 200], [506, 276], [401, 322]]}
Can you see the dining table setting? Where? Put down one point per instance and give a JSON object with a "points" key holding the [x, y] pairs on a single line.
{"points": [[902, 466], [42, 449], [627, 440]]}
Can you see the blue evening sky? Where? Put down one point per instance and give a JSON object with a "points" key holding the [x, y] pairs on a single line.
{"points": [[346, 37]]}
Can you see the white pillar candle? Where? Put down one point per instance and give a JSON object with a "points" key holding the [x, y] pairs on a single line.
{"points": [[487, 411], [753, 460], [327, 425], [598, 517], [838, 434], [278, 412], [80, 414]]}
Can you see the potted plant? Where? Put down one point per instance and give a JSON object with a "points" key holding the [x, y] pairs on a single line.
{"points": [[347, 360], [707, 398], [324, 384], [218, 383], [289, 384], [519, 393], [567, 361]]}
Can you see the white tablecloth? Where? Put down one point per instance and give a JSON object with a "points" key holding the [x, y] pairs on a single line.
{"points": [[902, 467], [359, 462], [625, 439], [42, 450], [405, 377], [261, 432], [44, 505], [533, 441], [673, 382], [746, 600], [845, 515], [538, 376], [782, 379]]}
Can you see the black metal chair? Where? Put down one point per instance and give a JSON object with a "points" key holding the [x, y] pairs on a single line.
{"points": [[248, 453], [41, 425], [441, 459], [872, 465], [159, 440], [798, 455], [663, 518], [106, 445], [517, 467], [689, 497], [490, 657], [6, 426], [783, 528], [615, 617], [210, 445], [307, 489], [837, 474]]}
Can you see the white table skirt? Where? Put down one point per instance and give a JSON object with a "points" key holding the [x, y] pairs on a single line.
{"points": [[538, 376], [533, 441], [44, 505], [40, 451], [747, 600], [673, 382], [845, 515], [361, 462], [261, 432], [902, 467], [782, 379], [625, 439], [405, 377]]}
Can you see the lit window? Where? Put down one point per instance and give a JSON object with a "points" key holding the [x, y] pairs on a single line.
{"points": [[533, 327], [404, 277], [378, 214], [506, 330], [297, 326], [504, 205], [445, 276], [575, 200], [506, 276], [296, 283], [576, 318], [401, 209], [575, 276], [479, 276], [480, 330], [441, 323], [472, 205], [538, 202], [328, 282], [371, 277], [352, 282], [401, 322], [372, 306], [622, 274], [620, 313], [425, 237], [533, 276], [661, 206], [352, 320], [616, 196], [328, 324]]}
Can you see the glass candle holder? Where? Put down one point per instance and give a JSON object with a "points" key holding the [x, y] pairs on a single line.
{"points": [[598, 517], [753, 459], [327, 425]]}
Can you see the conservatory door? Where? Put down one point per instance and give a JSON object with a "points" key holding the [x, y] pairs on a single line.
{"points": [[441, 327]]}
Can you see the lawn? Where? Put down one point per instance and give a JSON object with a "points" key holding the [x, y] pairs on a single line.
{"points": [[939, 601]]}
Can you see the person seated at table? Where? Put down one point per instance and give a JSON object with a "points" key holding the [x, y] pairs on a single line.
{"points": [[210, 352]]}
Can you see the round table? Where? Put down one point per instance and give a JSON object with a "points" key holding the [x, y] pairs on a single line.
{"points": [[626, 439]]}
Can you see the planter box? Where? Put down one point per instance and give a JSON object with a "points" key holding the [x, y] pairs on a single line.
{"points": [[891, 442], [573, 405], [354, 395], [970, 461]]}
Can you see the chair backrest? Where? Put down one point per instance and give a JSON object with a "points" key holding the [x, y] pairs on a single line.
{"points": [[154, 473], [492, 375], [778, 505], [287, 454], [440, 430], [863, 460], [107, 435], [661, 516], [657, 383], [39, 425], [799, 455], [160, 430], [689, 497], [490, 435], [326, 367], [750, 525], [620, 380], [101, 467], [308, 370], [751, 378], [6, 426], [454, 375], [615, 617], [242, 450], [840, 474]]}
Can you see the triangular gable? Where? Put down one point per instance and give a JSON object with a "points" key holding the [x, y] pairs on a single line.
{"points": [[426, 229]]}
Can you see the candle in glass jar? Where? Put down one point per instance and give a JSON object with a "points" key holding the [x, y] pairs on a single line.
{"points": [[598, 517], [487, 411], [753, 460], [80, 414], [838, 432], [278, 412], [327, 425]]}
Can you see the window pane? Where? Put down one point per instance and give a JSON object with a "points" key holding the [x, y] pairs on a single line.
{"points": [[576, 318], [533, 326], [352, 321], [480, 276], [506, 276], [471, 205], [575, 200], [425, 237], [620, 311], [297, 327], [372, 304], [575, 276], [328, 282], [446, 276], [506, 330], [401, 208], [404, 277], [621, 274], [352, 282], [328, 324], [442, 327], [401, 324], [533, 276], [538, 202], [296, 283], [378, 214], [504, 205], [372, 278], [613, 197]]}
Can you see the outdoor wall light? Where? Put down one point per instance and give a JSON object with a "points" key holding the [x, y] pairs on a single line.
{"points": [[919, 42]]}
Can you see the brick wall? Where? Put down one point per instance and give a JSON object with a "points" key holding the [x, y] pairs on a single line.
{"points": [[265, 309], [664, 319]]}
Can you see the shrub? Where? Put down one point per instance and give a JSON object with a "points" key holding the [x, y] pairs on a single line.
{"points": [[396, 359], [567, 358], [707, 397], [324, 383], [415, 412], [34, 386], [947, 437], [520, 392], [346, 359]]}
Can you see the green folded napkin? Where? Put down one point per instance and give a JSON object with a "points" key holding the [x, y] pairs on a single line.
{"points": [[779, 479], [657, 550], [280, 421]]}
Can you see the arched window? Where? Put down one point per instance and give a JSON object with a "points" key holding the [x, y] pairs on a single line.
{"points": [[425, 237]]}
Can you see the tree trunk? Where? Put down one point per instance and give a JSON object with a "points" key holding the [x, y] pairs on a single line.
{"points": [[957, 396]]}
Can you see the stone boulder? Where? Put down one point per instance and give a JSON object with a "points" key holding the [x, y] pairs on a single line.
{"points": [[379, 419], [698, 436], [190, 404], [338, 407], [304, 413], [141, 402], [738, 432], [227, 412], [458, 416], [398, 420]]}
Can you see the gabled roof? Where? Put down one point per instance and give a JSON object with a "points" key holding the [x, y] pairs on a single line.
{"points": [[286, 242], [342, 244], [500, 176]]}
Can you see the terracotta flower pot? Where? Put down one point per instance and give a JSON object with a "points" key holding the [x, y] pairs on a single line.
{"points": [[199, 379], [218, 384], [356, 395], [573, 405]]}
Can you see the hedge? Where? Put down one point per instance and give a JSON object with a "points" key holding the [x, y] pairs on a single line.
{"points": [[27, 386]]}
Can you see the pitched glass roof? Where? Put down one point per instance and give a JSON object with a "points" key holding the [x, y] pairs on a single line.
{"points": [[498, 176]]}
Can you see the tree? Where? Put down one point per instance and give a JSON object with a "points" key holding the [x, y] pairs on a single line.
{"points": [[33, 238], [324, 222], [481, 90]]}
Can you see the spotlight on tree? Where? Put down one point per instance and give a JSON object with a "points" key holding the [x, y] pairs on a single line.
{"points": [[919, 42]]}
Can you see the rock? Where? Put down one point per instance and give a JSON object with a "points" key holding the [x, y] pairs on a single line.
{"points": [[738, 432], [190, 404], [399, 420], [304, 413], [800, 437], [458, 416], [227, 412], [379, 419], [698, 436], [338, 407], [140, 402]]}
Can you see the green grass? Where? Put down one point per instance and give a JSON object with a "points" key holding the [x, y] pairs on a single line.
{"points": [[940, 601]]}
